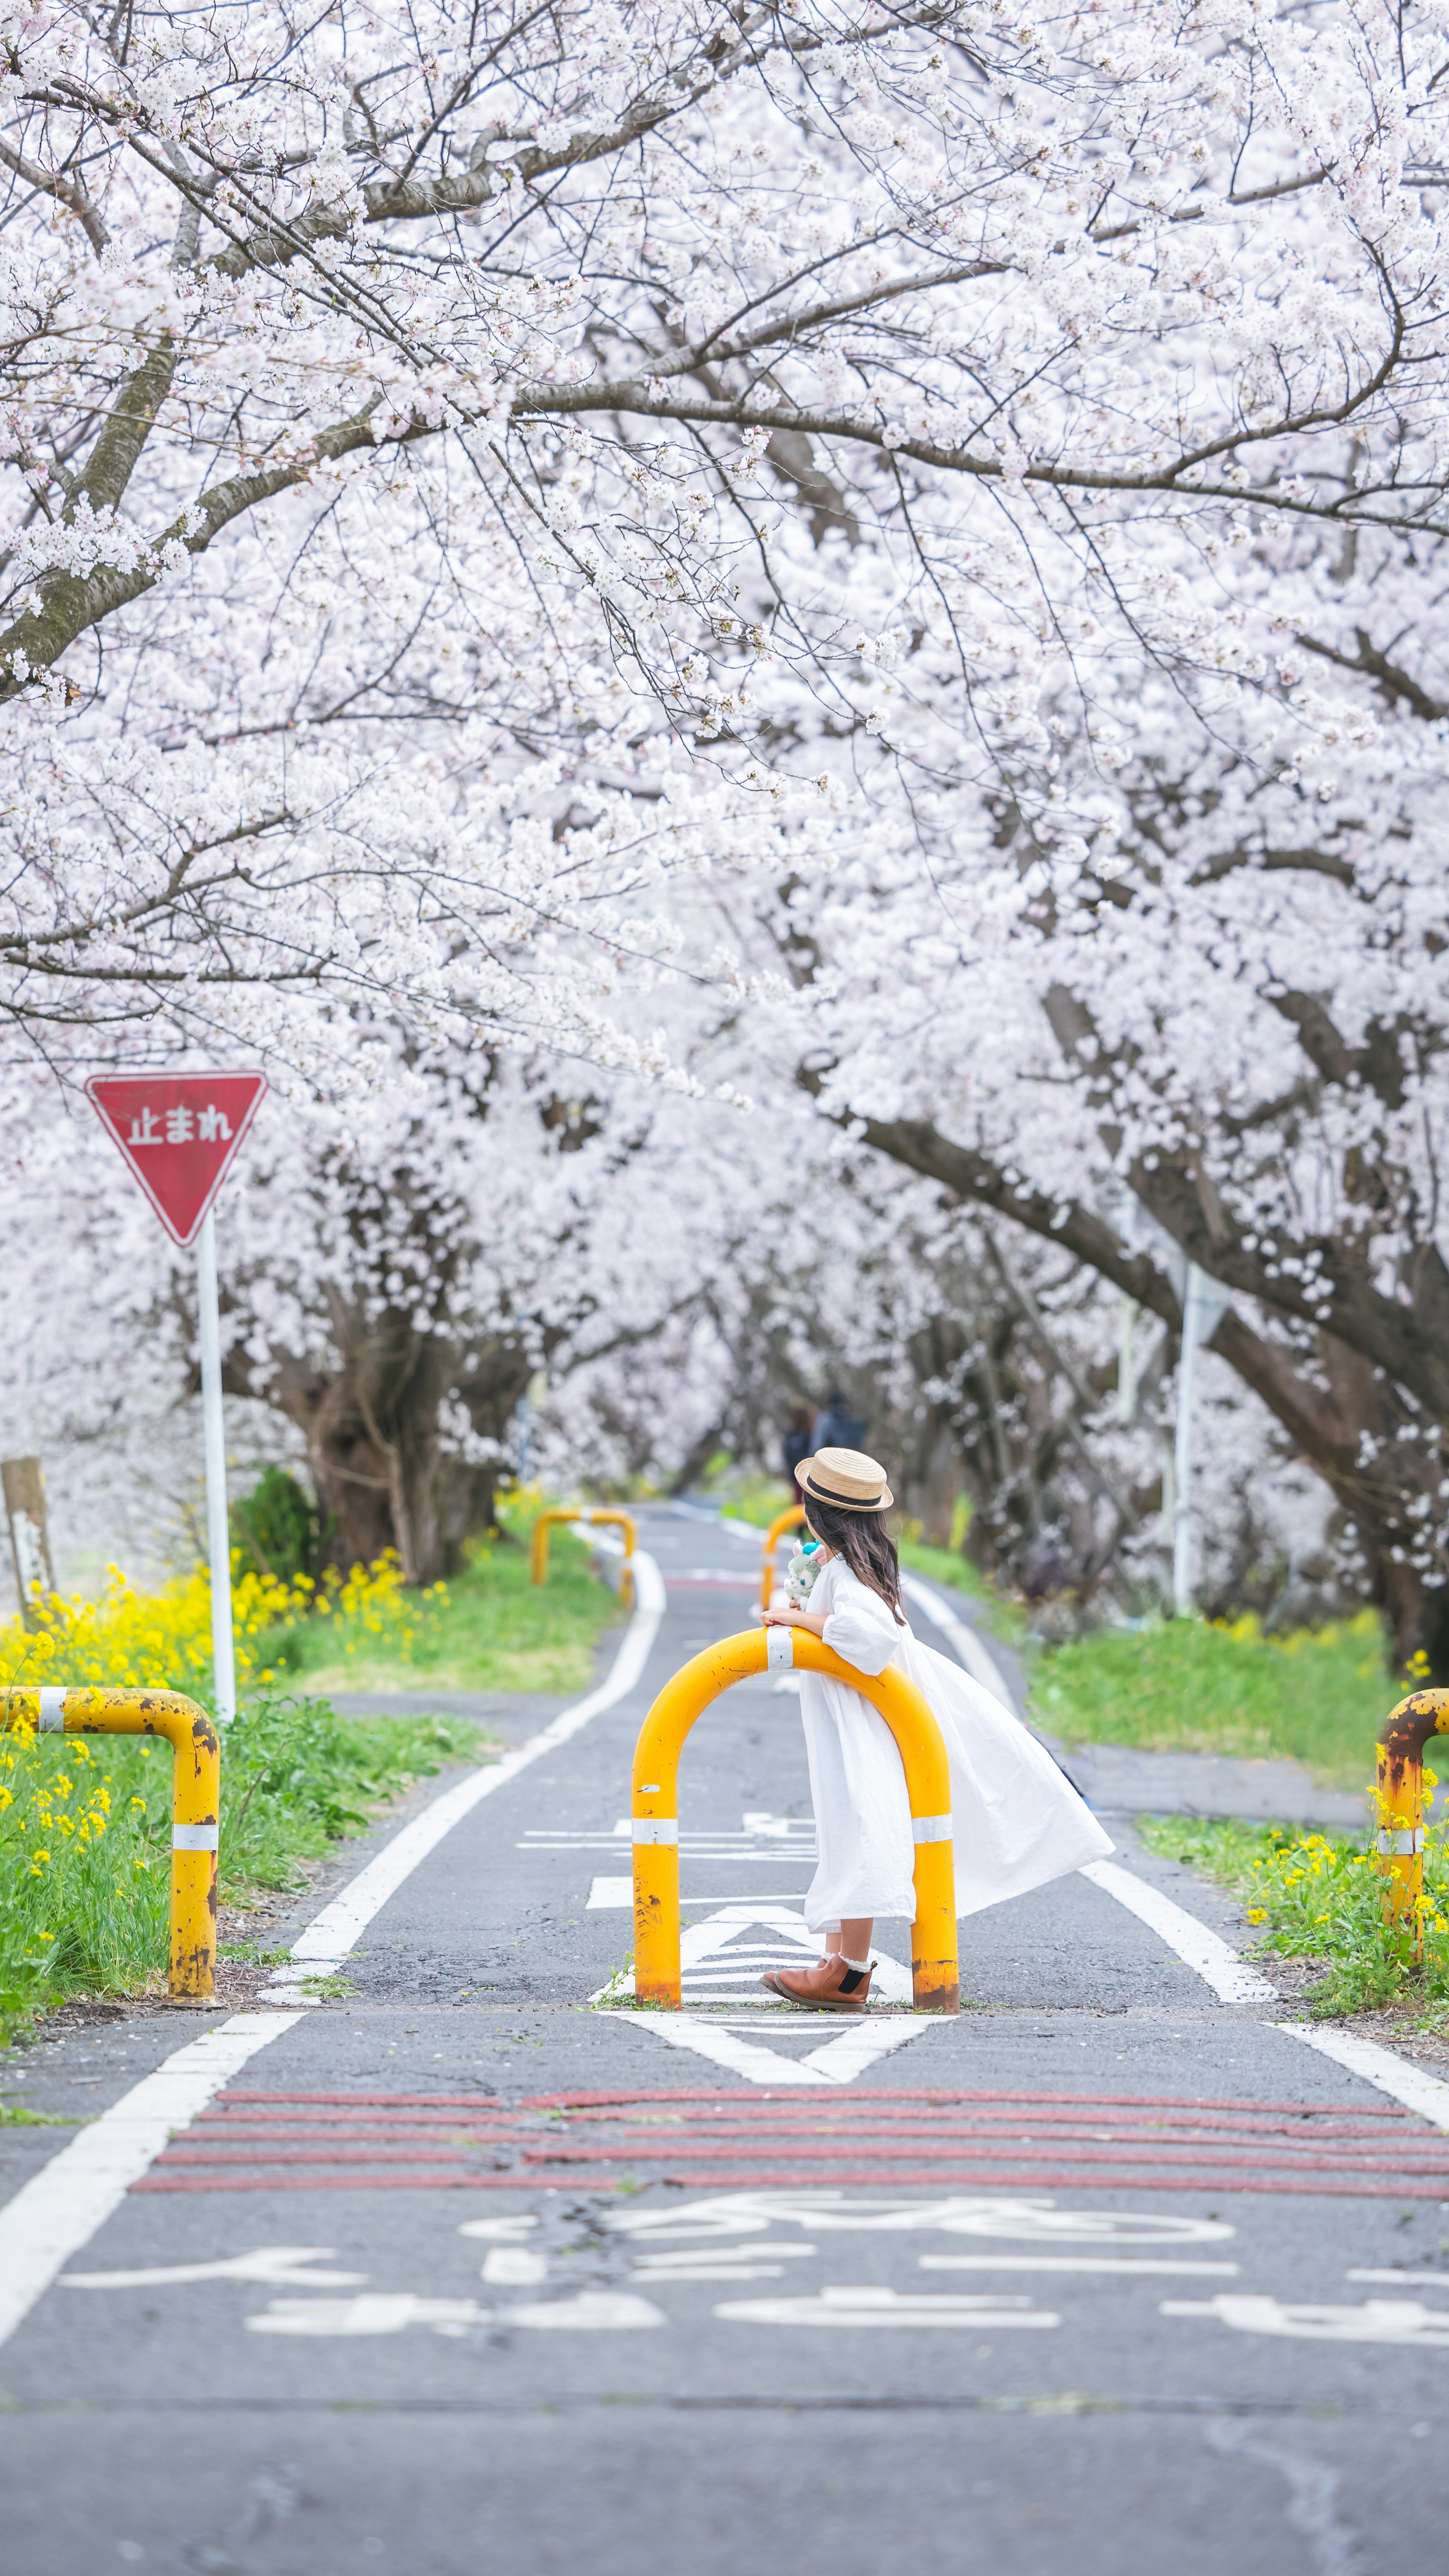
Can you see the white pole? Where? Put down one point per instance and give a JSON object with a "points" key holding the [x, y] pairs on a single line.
{"points": [[1126, 1359], [218, 1534], [1182, 1447]]}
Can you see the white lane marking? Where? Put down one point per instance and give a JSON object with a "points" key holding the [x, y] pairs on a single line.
{"points": [[752, 2262], [377, 2312], [1065, 2263], [839, 2061], [391, 2312], [717, 1965], [514, 2267], [617, 1895], [278, 2266], [58, 2211], [1032, 2222], [1405, 2280], [872, 2307], [970, 1646], [1418, 2091], [605, 2311], [60, 2208], [718, 2271], [1207, 1953], [1401, 2321], [336, 1929]]}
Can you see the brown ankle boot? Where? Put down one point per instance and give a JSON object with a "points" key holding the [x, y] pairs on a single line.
{"points": [[832, 1986]]}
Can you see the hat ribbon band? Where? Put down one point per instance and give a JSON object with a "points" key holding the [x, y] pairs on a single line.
{"points": [[852, 1502]]}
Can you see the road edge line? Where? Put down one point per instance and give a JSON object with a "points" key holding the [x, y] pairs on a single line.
{"points": [[1412, 2085], [59, 2210], [1199, 1948], [62, 2207], [330, 1935], [970, 1645]]}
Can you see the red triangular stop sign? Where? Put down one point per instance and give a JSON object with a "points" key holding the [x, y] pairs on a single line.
{"points": [[180, 1133]]}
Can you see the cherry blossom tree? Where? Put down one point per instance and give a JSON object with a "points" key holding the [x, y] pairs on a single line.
{"points": [[594, 387], [727, 543]]}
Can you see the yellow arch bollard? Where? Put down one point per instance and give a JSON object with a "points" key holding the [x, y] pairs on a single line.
{"points": [[538, 1553], [793, 1519], [195, 1802], [935, 1972], [1399, 1808]]}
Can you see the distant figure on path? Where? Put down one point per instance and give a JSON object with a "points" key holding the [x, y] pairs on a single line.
{"points": [[837, 1427], [798, 1442]]}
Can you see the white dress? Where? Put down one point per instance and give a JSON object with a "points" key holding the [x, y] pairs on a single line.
{"points": [[1017, 1819]]}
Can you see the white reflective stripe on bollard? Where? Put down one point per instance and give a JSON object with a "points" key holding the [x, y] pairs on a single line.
{"points": [[656, 1829], [52, 1709], [1400, 1846], [193, 1837], [930, 1829], [779, 1649]]}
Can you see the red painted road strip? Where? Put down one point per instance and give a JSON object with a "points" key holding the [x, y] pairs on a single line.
{"points": [[934, 2093], [775, 2114], [1022, 2152], [783, 2117], [485, 2102], [1217, 2187], [242, 2158], [250, 2140], [459, 2131], [1231, 2141]]}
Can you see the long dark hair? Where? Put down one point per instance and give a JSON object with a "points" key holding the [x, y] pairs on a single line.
{"points": [[866, 1545]]}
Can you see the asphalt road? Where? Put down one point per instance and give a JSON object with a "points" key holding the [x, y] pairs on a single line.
{"points": [[401, 2299]]}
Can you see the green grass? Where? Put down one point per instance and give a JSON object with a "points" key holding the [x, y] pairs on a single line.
{"points": [[1183, 1686], [489, 1629], [1318, 1896], [946, 1565], [87, 1912], [756, 1499]]}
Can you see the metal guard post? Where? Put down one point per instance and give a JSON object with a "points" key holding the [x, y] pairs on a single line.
{"points": [[1399, 1808], [195, 1802], [538, 1553], [793, 1519], [935, 1972]]}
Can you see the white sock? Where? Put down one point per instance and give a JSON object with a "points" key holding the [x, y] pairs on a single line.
{"points": [[861, 1966]]}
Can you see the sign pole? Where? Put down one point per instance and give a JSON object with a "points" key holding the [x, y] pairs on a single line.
{"points": [[218, 1532], [1182, 1530], [180, 1134]]}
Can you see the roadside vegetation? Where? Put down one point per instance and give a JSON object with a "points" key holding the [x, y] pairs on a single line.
{"points": [[488, 1629], [1317, 1696], [85, 1822], [1316, 1896], [85, 1834]]}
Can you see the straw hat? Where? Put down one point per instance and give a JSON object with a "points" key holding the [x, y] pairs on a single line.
{"points": [[845, 1478]]}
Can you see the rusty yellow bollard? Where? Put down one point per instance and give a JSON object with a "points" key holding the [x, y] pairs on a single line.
{"points": [[935, 1973], [1399, 1808], [195, 1802], [538, 1552], [793, 1519]]}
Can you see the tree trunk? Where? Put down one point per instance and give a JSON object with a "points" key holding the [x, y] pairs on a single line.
{"points": [[373, 1441]]}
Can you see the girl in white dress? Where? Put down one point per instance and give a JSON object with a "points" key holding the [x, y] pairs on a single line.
{"points": [[1017, 1820]]}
